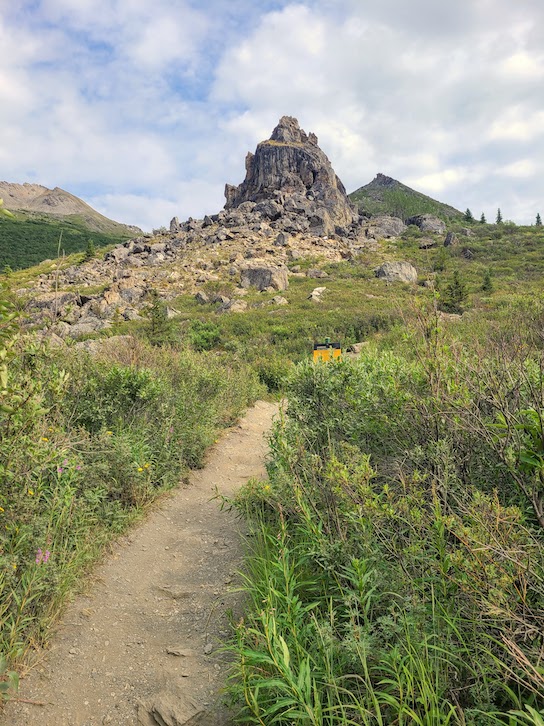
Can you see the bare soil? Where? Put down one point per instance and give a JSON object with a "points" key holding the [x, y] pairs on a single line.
{"points": [[147, 630]]}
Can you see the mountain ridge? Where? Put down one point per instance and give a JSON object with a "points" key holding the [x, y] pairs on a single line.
{"points": [[36, 199], [385, 195]]}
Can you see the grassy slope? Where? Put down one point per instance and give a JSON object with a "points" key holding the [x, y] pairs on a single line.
{"points": [[27, 239], [384, 195]]}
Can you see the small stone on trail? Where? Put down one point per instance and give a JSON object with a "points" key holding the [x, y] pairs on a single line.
{"points": [[208, 648], [182, 652]]}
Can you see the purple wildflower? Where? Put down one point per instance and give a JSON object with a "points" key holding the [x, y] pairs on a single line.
{"points": [[46, 556], [39, 556]]}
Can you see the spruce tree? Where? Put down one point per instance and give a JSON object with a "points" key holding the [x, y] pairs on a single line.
{"points": [[538, 222], [487, 282], [90, 250], [468, 216], [160, 328], [499, 216], [482, 219], [455, 294]]}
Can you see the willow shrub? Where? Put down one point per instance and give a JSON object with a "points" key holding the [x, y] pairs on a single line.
{"points": [[387, 586], [85, 443]]}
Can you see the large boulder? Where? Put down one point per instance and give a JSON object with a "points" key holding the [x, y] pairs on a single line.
{"points": [[397, 272], [427, 223], [264, 277], [384, 227], [291, 163]]}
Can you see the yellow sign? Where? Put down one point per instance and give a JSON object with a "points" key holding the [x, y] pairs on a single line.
{"points": [[327, 351]]}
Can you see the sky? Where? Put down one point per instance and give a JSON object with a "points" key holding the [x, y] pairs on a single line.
{"points": [[146, 109]]}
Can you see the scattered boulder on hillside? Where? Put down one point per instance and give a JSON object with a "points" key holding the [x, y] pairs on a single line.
{"points": [[397, 272], [426, 243], [289, 175], [384, 227], [427, 223], [315, 295], [265, 277], [451, 240]]}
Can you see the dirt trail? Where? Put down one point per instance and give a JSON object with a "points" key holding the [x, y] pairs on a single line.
{"points": [[143, 636]]}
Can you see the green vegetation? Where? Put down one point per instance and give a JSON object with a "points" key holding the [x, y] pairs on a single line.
{"points": [[396, 574], [397, 571], [86, 443], [388, 196], [26, 239]]}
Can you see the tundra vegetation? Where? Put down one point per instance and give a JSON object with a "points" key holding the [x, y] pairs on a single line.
{"points": [[396, 574]]}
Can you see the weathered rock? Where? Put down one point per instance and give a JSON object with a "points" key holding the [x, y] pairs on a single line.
{"points": [[170, 708], [264, 277], [202, 298], [281, 240], [316, 274], [315, 295], [397, 272], [291, 163], [174, 225], [233, 306], [467, 232], [451, 239], [385, 227], [279, 300], [467, 253], [426, 243], [87, 326], [427, 223]]}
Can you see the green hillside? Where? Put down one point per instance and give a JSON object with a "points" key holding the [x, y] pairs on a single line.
{"points": [[385, 195], [27, 239]]}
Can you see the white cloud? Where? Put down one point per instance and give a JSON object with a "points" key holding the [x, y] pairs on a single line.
{"points": [[125, 101]]}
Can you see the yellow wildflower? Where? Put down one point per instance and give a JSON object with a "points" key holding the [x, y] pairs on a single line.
{"points": [[146, 466], [140, 468], [44, 438], [31, 492], [109, 433], [2, 509], [14, 566]]}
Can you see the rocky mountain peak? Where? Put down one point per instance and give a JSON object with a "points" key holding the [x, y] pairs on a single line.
{"points": [[385, 181], [288, 131], [292, 171]]}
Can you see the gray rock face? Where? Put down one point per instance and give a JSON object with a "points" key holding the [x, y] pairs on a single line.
{"points": [[264, 277], [291, 163], [384, 227], [427, 223], [451, 239], [397, 272]]}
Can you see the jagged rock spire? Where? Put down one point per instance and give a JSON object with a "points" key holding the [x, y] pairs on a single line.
{"points": [[290, 167]]}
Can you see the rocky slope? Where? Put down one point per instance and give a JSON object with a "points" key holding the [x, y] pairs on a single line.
{"points": [[290, 206], [56, 202]]}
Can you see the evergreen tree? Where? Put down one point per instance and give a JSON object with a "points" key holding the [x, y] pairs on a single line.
{"points": [[487, 282], [468, 216], [160, 328], [538, 222], [90, 250], [455, 294], [482, 219], [499, 216]]}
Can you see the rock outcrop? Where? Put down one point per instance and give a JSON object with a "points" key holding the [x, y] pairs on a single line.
{"points": [[397, 272], [289, 175], [427, 223]]}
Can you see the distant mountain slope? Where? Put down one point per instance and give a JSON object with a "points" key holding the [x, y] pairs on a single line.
{"points": [[44, 216], [385, 195], [59, 203]]}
